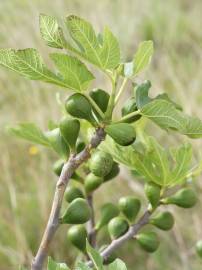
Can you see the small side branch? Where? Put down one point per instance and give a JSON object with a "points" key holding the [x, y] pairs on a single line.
{"points": [[68, 169], [91, 223], [133, 230]]}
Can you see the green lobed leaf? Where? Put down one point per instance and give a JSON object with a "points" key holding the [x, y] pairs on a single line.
{"points": [[52, 265], [30, 132], [182, 157], [74, 72], [94, 256], [117, 265], [29, 64], [104, 52], [143, 56], [141, 93], [154, 163], [51, 32], [165, 115]]}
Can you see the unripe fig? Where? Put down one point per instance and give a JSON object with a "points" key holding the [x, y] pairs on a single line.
{"points": [[113, 173], [130, 207], [185, 198], [108, 211], [163, 221], [101, 98], [80, 145], [58, 143], [199, 248], [57, 166], [73, 193], [77, 235], [148, 241], [117, 227], [69, 129], [152, 192], [77, 177], [129, 107], [77, 212], [78, 106], [92, 182], [122, 133], [101, 163]]}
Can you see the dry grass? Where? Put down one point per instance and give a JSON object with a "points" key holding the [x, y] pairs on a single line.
{"points": [[27, 182]]}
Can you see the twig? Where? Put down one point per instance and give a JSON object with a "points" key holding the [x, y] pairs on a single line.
{"points": [[68, 169], [133, 230], [91, 222]]}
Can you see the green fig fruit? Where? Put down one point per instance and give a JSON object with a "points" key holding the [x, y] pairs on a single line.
{"points": [[69, 129], [57, 166], [117, 227], [58, 143], [153, 193], [148, 241], [129, 107], [113, 173], [163, 221], [101, 98], [92, 182], [73, 193], [108, 211], [77, 212], [130, 207], [80, 145], [77, 235], [199, 248], [185, 198], [75, 176], [122, 133], [78, 106], [101, 163]]}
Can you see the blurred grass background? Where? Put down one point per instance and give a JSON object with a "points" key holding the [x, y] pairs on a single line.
{"points": [[26, 180]]}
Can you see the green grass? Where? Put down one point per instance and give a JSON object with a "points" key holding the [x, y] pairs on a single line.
{"points": [[27, 181]]}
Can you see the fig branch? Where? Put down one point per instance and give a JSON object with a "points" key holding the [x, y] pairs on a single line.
{"points": [[91, 222], [132, 231], [53, 223]]}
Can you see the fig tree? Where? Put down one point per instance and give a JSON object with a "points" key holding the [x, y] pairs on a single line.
{"points": [[101, 163], [122, 133]]}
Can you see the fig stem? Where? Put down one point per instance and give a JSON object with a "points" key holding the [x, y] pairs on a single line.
{"points": [[133, 230], [111, 104], [95, 106], [91, 222], [126, 117], [121, 89], [67, 171]]}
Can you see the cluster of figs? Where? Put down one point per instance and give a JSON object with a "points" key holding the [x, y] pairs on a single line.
{"points": [[101, 168]]}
